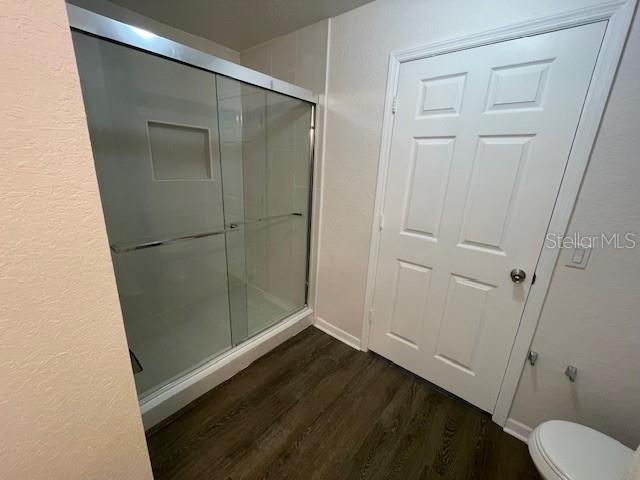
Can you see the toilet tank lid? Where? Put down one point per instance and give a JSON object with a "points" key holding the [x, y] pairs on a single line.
{"points": [[577, 452]]}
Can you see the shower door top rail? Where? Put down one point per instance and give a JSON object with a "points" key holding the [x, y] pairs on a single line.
{"points": [[119, 248], [95, 24]]}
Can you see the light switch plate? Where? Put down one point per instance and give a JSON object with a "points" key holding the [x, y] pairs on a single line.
{"points": [[579, 258]]}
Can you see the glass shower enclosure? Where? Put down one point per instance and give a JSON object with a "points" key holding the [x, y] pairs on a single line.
{"points": [[205, 184]]}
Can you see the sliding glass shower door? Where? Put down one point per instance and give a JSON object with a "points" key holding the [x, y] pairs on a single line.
{"points": [[205, 187], [264, 145]]}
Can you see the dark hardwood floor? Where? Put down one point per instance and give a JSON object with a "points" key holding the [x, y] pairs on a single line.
{"points": [[315, 408]]}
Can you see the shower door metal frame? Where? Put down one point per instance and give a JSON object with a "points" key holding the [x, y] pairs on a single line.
{"points": [[107, 28], [213, 370]]}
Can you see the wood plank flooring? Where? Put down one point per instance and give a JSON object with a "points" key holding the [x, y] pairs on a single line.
{"points": [[315, 408]]}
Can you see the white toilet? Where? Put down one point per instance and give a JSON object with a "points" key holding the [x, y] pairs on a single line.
{"points": [[568, 451]]}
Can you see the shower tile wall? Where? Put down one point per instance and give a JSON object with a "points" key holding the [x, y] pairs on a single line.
{"points": [[299, 57], [254, 148], [287, 141]]}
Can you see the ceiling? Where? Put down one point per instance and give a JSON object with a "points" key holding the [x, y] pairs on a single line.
{"points": [[239, 24]]}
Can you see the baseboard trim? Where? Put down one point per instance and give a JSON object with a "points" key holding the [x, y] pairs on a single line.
{"points": [[338, 333], [193, 385], [518, 429]]}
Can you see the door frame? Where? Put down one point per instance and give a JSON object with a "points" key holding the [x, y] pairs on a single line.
{"points": [[618, 14]]}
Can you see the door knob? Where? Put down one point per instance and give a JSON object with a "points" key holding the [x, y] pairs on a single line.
{"points": [[518, 275]]}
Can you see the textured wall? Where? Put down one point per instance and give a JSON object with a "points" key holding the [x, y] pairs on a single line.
{"points": [[360, 43], [68, 406]]}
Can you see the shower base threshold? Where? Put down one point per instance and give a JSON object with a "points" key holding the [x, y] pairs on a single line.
{"points": [[183, 391]]}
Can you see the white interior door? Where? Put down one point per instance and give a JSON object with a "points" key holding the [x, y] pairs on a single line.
{"points": [[480, 142]]}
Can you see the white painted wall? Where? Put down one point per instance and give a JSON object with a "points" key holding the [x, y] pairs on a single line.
{"points": [[359, 44], [111, 10], [299, 57], [68, 406]]}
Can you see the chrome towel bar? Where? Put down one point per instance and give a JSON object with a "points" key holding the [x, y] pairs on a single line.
{"points": [[118, 248]]}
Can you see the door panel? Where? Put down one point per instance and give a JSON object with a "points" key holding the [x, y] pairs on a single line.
{"points": [[495, 179], [462, 321], [154, 132], [431, 160], [411, 282], [480, 142]]}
